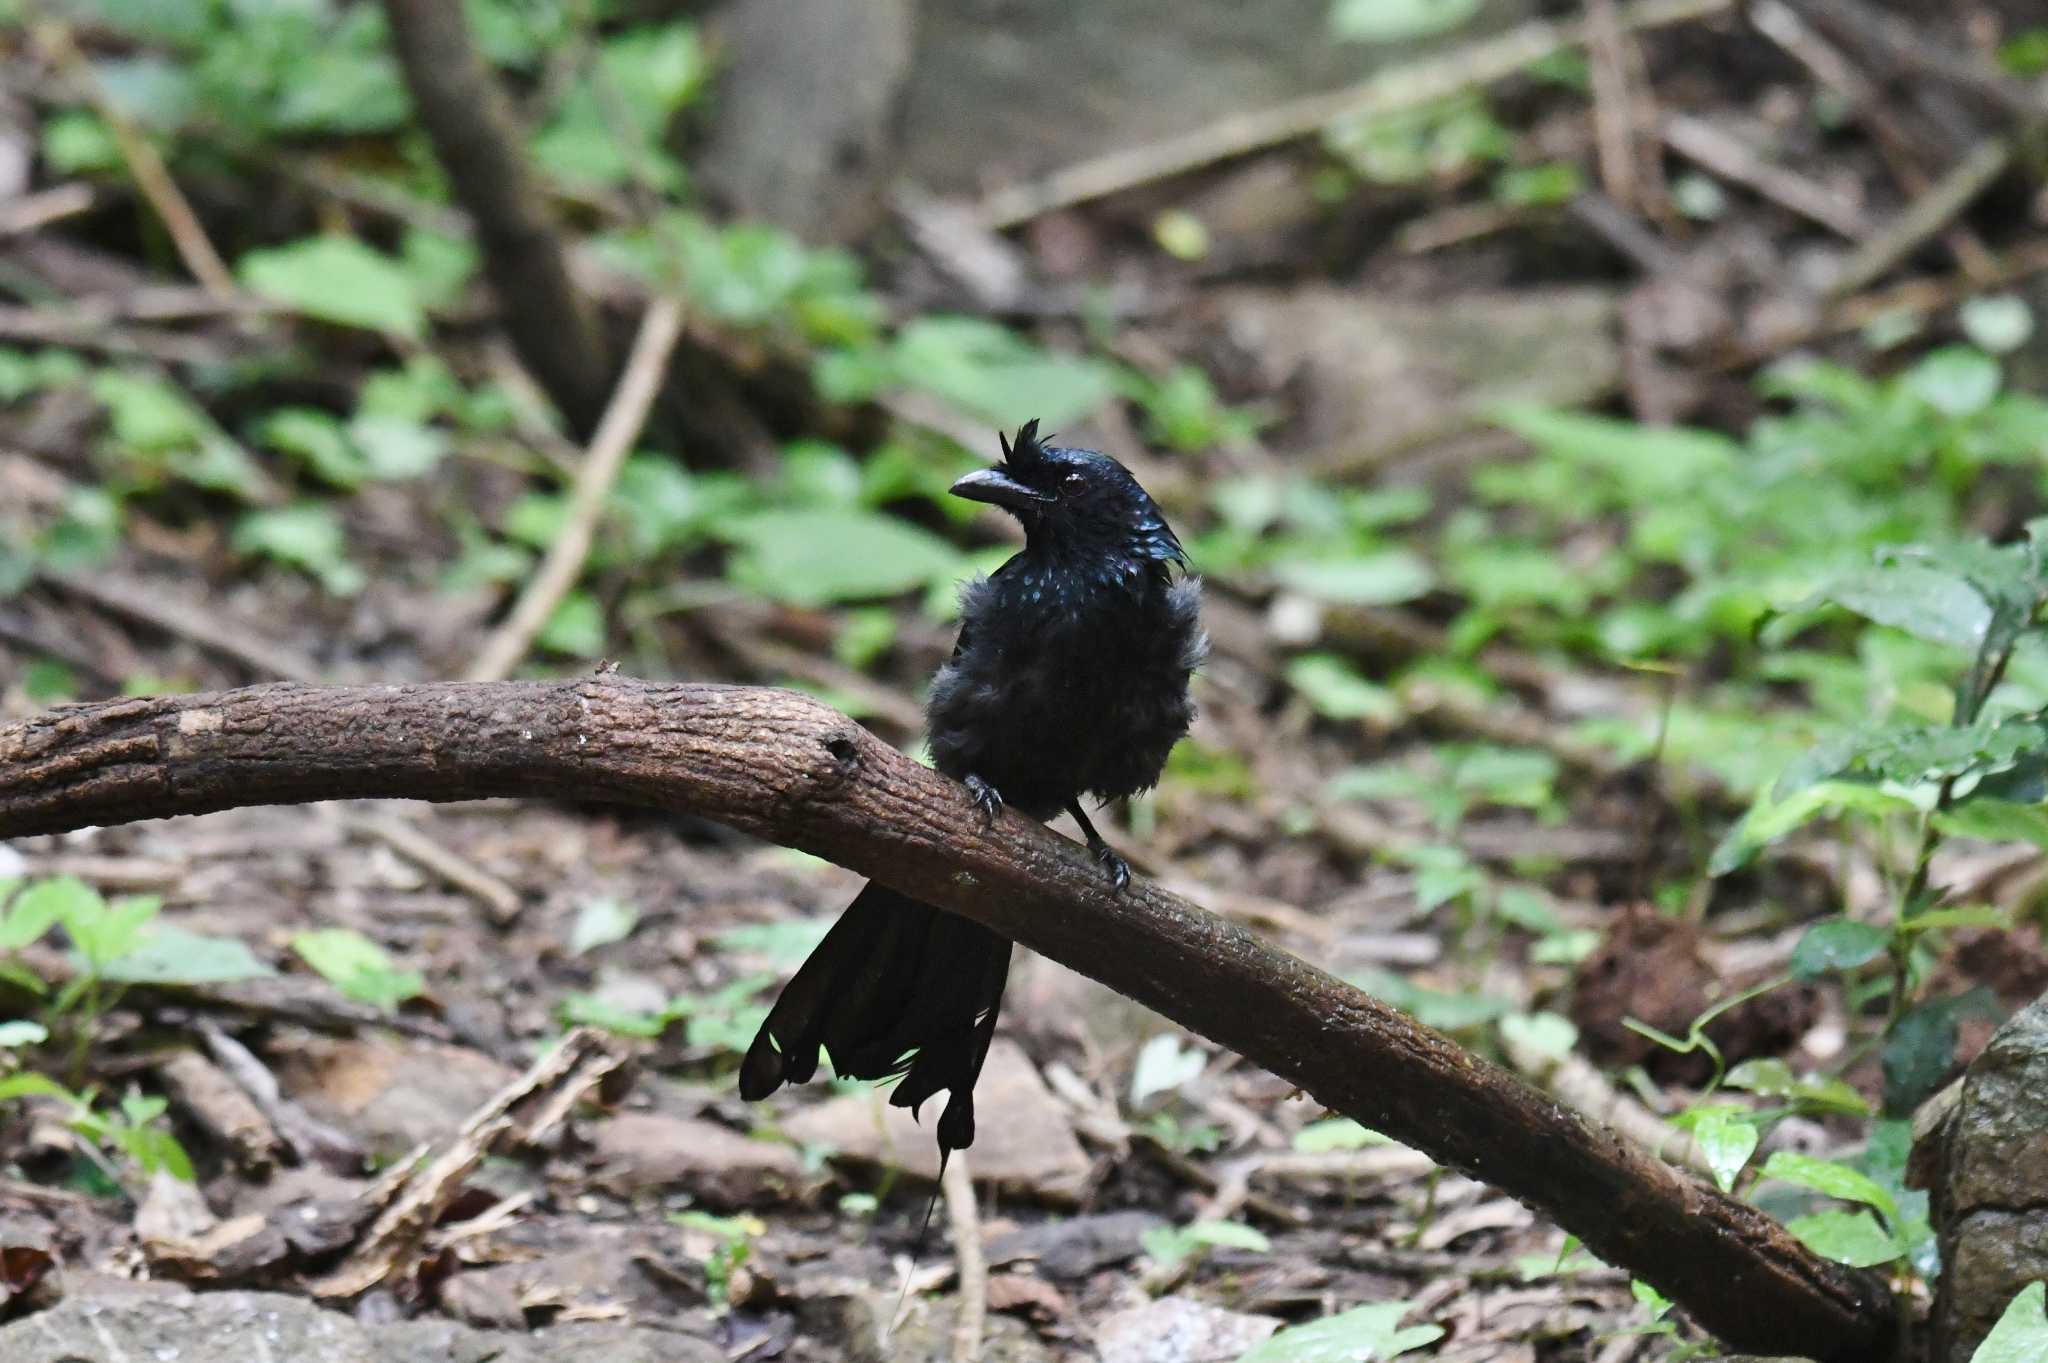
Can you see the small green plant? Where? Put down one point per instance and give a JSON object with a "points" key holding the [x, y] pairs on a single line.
{"points": [[1364, 1332], [1171, 1247], [357, 966], [727, 1244]]}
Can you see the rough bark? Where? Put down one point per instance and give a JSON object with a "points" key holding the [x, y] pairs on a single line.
{"points": [[553, 326], [790, 769]]}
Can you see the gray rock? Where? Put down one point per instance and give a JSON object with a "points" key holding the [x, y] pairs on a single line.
{"points": [[647, 1151], [247, 1327], [1023, 1141], [1178, 1330], [1378, 377], [1074, 1247], [391, 1093], [1990, 1184]]}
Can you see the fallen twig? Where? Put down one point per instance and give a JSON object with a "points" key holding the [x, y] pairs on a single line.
{"points": [[553, 325], [1926, 216], [963, 1220], [151, 177], [788, 768], [624, 417], [1732, 159], [498, 898], [1402, 88]]}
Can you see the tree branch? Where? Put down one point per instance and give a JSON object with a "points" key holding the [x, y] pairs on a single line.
{"points": [[787, 768], [553, 327]]}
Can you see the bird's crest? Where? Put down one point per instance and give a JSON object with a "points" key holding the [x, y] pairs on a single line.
{"points": [[1024, 452]]}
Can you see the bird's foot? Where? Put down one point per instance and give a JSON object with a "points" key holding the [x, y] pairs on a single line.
{"points": [[1106, 857], [986, 798]]}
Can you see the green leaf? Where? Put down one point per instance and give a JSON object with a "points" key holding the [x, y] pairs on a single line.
{"points": [[601, 921], [1337, 691], [1955, 380], [319, 439], [1545, 1033], [18, 1032], [339, 280], [1837, 944], [1998, 322], [784, 942], [1924, 601], [2021, 1334], [1833, 1178], [820, 555], [575, 627], [1993, 820], [1392, 21], [1920, 1049], [1337, 1133], [33, 1085], [1164, 1065], [395, 448], [1852, 1238], [1380, 578], [308, 536], [357, 966], [170, 955], [44, 904], [996, 375], [1362, 1333], [1228, 1235]]}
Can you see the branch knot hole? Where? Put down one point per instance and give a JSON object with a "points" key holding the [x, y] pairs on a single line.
{"points": [[845, 750]]}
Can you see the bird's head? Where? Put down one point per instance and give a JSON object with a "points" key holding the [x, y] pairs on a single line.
{"points": [[1073, 500]]}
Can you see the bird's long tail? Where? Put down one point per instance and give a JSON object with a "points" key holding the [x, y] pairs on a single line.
{"points": [[896, 988]]}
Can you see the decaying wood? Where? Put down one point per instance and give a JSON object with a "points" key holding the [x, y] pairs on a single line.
{"points": [[788, 768]]}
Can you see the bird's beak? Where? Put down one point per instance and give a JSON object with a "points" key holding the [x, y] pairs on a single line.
{"points": [[998, 488]]}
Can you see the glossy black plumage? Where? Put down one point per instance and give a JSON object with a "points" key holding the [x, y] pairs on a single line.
{"points": [[1069, 681]]}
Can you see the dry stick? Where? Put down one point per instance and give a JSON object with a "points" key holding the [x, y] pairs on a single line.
{"points": [[498, 898], [1393, 91], [475, 138], [151, 177], [1732, 159], [646, 369], [1778, 22], [963, 1219], [1613, 116], [1926, 216], [788, 768]]}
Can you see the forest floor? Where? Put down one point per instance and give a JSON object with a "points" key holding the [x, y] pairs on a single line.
{"points": [[1425, 760]]}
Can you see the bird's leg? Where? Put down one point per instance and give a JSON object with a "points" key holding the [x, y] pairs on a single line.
{"points": [[986, 798], [1119, 869]]}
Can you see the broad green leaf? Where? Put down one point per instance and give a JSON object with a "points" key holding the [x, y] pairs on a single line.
{"points": [[1227, 1235], [1833, 1178], [1920, 1050], [998, 376], [785, 942], [1955, 380], [357, 966], [1163, 1065], [171, 955], [320, 439], [340, 280], [1837, 944], [575, 627], [43, 904], [1727, 1138], [1379, 578], [816, 556], [1993, 820], [33, 1085], [2021, 1334], [307, 535], [1337, 691], [1392, 21], [1651, 462], [1997, 322], [601, 921], [1362, 1333], [394, 448], [17, 1032], [1852, 1238], [1927, 602], [1545, 1033], [1337, 1133]]}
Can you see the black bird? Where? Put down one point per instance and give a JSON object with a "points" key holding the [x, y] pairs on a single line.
{"points": [[1069, 679]]}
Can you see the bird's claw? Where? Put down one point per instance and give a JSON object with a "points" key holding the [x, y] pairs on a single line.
{"points": [[1119, 870], [986, 798]]}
